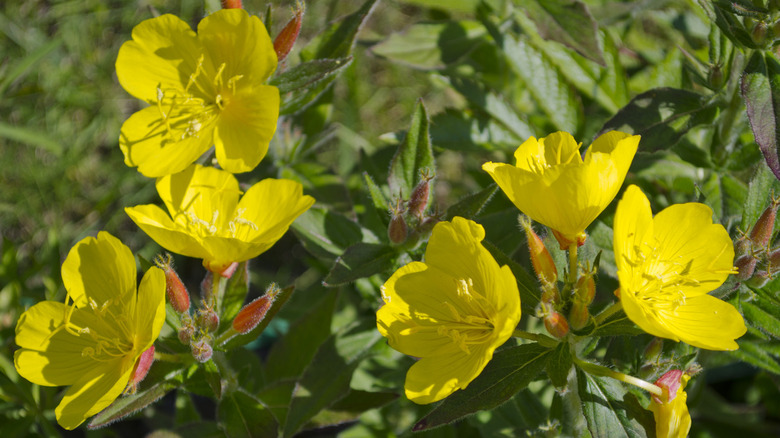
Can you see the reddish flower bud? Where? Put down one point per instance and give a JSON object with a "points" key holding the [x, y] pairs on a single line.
{"points": [[585, 290], [578, 315], [419, 198], [550, 293], [175, 290], [773, 261], [185, 334], [286, 39], [140, 370], [250, 315], [759, 279], [746, 265], [765, 225], [397, 230], [540, 258], [201, 350], [556, 324], [232, 4], [208, 319], [669, 383]]}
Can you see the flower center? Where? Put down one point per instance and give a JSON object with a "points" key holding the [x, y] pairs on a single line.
{"points": [[185, 113], [237, 227], [471, 319]]}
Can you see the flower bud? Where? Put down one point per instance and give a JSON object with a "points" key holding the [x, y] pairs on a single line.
{"points": [[208, 319], [759, 279], [556, 324], [201, 350], [773, 261], [397, 231], [669, 383], [550, 293], [175, 290], [140, 370], [540, 258], [585, 290], [231, 4], [654, 349], [745, 267], [250, 315], [672, 419], [765, 225], [286, 39], [715, 77], [419, 199], [578, 315], [758, 34]]}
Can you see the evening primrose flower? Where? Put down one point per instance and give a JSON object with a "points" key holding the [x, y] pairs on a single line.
{"points": [[672, 419], [452, 311], [95, 339], [555, 186], [208, 221], [204, 89], [667, 264]]}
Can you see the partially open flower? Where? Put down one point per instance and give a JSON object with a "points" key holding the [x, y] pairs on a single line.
{"points": [[672, 419]]}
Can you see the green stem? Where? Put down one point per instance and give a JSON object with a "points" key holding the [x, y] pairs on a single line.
{"points": [[617, 306], [218, 284], [573, 263], [225, 336], [175, 358], [598, 370], [543, 340]]}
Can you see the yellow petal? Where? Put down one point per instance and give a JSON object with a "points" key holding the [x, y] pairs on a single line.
{"points": [[157, 225], [433, 378], [99, 269], [245, 127], [200, 191], [150, 308], [241, 42], [146, 143], [272, 205], [706, 322], [163, 52], [686, 234], [633, 221], [93, 393]]}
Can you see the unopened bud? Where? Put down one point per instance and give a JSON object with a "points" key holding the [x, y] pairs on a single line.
{"points": [[208, 319], [250, 315], [540, 258], [654, 349], [141, 369], [186, 330], [550, 293], [773, 261], [556, 324], [201, 350], [397, 231], [578, 315], [669, 383], [419, 198], [175, 290], [759, 279], [285, 41], [765, 225], [585, 290], [715, 77], [565, 243], [743, 246], [231, 4], [758, 34], [745, 267]]}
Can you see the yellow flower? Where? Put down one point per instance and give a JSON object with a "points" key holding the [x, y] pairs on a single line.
{"points": [[672, 419], [211, 223], [205, 88], [452, 311], [94, 343], [666, 266], [553, 185]]}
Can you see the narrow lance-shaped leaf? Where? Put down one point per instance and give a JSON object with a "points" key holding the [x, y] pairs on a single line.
{"points": [[309, 74], [131, 404], [607, 408], [568, 22], [414, 155], [361, 260], [509, 371], [243, 415], [761, 90]]}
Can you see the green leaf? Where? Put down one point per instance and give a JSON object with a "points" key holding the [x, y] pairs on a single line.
{"points": [[30, 136], [447, 5], [510, 370], [760, 319], [214, 377], [754, 353], [730, 25], [414, 155], [361, 260], [243, 415], [617, 325], [292, 354], [124, 406], [243, 339], [559, 365], [235, 293], [763, 183], [326, 233], [661, 116], [606, 408], [327, 378], [470, 206], [380, 202], [545, 83], [760, 88], [568, 22], [308, 74], [430, 46]]}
